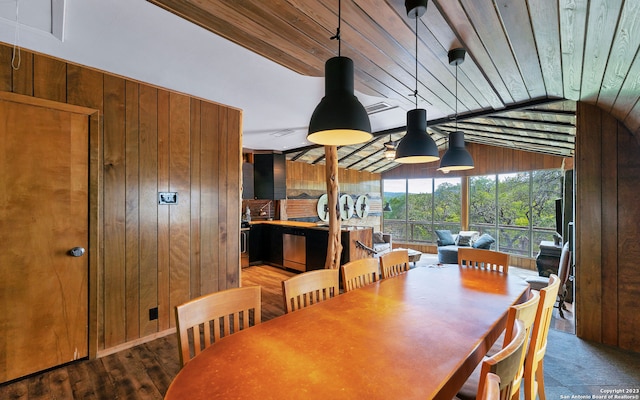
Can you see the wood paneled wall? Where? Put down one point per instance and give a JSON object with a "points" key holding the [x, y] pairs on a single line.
{"points": [[607, 232], [487, 160], [306, 183], [152, 140]]}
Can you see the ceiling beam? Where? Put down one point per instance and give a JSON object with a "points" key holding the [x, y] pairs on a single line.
{"points": [[522, 140]]}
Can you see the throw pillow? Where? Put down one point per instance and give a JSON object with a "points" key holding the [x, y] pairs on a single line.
{"points": [[377, 237], [484, 242], [474, 235], [464, 240], [445, 238]]}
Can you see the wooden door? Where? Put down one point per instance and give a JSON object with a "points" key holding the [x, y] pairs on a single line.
{"points": [[43, 214]]}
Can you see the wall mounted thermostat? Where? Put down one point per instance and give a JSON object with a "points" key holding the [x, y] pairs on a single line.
{"points": [[168, 198]]}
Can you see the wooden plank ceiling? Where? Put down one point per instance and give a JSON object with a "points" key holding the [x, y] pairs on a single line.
{"points": [[523, 59]]}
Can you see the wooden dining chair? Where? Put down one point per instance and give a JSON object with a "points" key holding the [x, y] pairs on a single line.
{"points": [[358, 273], [310, 288], [394, 263], [206, 319], [525, 313], [505, 364], [533, 366], [491, 388], [483, 259]]}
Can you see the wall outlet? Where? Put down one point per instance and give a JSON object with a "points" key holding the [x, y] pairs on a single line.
{"points": [[153, 314]]}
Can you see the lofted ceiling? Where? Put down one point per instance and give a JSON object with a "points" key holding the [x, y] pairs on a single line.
{"points": [[527, 63]]}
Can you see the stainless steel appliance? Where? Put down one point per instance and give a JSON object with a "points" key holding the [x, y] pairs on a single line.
{"points": [[294, 249]]}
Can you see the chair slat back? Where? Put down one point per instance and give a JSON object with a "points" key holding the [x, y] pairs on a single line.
{"points": [[483, 259], [310, 288], [358, 273], [204, 320], [394, 263], [506, 363], [533, 376]]}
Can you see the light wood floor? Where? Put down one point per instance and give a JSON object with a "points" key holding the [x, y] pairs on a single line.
{"points": [[144, 371]]}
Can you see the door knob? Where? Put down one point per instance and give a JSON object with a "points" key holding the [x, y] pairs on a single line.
{"points": [[76, 252]]}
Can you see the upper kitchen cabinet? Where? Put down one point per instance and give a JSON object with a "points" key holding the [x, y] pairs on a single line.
{"points": [[247, 181], [270, 177]]}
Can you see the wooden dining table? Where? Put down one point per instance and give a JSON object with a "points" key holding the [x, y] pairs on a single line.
{"points": [[418, 335]]}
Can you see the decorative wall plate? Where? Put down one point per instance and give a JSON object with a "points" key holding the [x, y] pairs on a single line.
{"points": [[323, 208], [346, 207], [362, 206]]}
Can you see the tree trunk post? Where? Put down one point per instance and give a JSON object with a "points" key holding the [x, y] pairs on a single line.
{"points": [[334, 247]]}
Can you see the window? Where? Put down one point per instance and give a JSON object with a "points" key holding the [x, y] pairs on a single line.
{"points": [[516, 209], [483, 204], [514, 213], [546, 188], [395, 193], [419, 209], [447, 205], [419, 206]]}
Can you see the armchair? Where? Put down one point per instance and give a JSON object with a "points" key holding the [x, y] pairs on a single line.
{"points": [[382, 242]]}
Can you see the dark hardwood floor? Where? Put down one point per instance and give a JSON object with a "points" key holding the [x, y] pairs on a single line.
{"points": [[142, 372], [270, 278]]}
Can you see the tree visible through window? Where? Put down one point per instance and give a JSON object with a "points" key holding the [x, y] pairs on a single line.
{"points": [[518, 209], [419, 206]]}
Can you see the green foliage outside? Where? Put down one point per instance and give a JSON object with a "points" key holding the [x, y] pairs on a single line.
{"points": [[519, 208]]}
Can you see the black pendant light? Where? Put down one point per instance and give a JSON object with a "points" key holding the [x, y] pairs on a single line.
{"points": [[456, 158], [387, 207], [339, 119], [416, 146]]}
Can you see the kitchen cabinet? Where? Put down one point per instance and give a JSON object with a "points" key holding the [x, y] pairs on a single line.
{"points": [[274, 245], [269, 176], [317, 242], [256, 251], [247, 181], [267, 244]]}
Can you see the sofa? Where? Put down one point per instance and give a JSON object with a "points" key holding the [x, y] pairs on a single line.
{"points": [[448, 243]]}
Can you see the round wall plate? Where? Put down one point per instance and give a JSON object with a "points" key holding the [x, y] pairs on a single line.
{"points": [[346, 207], [362, 206], [323, 208]]}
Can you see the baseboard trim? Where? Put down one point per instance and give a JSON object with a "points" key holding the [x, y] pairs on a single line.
{"points": [[136, 342]]}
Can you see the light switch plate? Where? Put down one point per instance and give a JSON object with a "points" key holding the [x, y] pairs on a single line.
{"points": [[168, 198]]}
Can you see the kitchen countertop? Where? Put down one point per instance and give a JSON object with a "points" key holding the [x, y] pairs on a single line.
{"points": [[310, 225]]}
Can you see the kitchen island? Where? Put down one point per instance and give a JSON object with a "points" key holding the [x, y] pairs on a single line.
{"points": [[302, 246]]}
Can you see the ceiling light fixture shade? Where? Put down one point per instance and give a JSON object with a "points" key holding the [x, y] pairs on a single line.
{"points": [[339, 119], [416, 146], [456, 158], [387, 207]]}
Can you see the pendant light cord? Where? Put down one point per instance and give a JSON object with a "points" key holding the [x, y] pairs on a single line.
{"points": [[456, 116], [415, 92], [337, 35]]}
